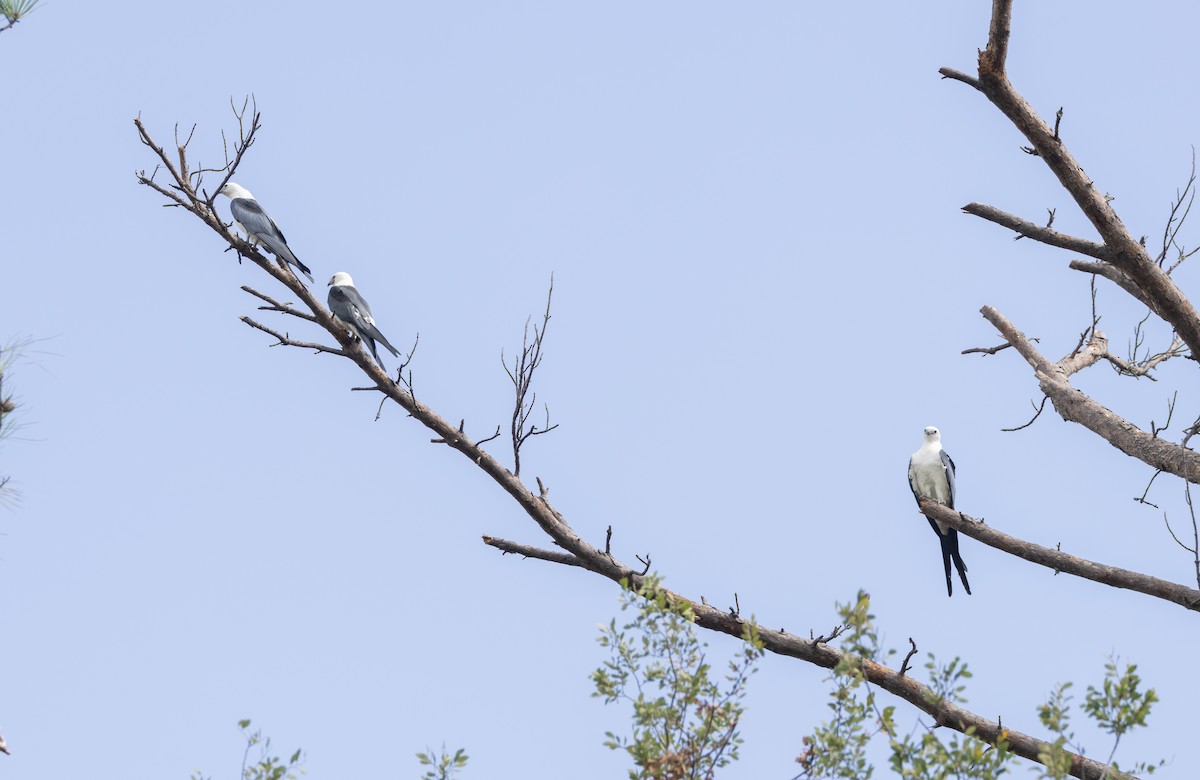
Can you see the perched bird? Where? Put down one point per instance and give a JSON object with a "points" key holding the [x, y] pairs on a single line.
{"points": [[351, 310], [257, 225], [931, 475]]}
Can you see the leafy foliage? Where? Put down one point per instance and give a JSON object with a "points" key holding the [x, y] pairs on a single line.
{"points": [[268, 767], [962, 756], [445, 765], [15, 10], [1117, 707], [685, 723], [838, 747]]}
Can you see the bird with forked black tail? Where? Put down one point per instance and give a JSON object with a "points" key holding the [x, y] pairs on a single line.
{"points": [[931, 475]]}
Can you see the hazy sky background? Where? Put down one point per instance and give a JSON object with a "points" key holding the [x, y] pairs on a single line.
{"points": [[763, 284]]}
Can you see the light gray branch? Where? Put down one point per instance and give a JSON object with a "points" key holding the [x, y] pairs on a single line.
{"points": [[1075, 406], [1116, 276], [1037, 232], [529, 551]]}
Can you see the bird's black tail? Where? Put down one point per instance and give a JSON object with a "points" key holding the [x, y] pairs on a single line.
{"points": [[370, 342], [304, 270], [945, 540], [282, 251], [950, 552], [375, 334]]}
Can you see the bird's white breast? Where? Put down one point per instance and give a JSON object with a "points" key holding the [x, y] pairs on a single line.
{"points": [[929, 476]]}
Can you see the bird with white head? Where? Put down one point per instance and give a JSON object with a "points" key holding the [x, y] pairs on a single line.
{"points": [[351, 309], [931, 475], [258, 227]]}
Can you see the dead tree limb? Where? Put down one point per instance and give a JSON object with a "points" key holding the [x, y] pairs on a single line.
{"points": [[1120, 248], [1059, 561], [524, 365], [1076, 406]]}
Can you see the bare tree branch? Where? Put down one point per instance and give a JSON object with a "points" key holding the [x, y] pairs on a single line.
{"points": [[286, 341], [1114, 275], [1074, 405], [275, 305], [1037, 232], [986, 350], [904, 667], [1059, 561], [958, 75], [1144, 367], [521, 375], [1195, 548], [1176, 219], [1032, 420], [816, 652], [529, 551], [1120, 248]]}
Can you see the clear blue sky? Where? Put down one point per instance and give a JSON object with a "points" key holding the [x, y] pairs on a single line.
{"points": [[763, 282]]}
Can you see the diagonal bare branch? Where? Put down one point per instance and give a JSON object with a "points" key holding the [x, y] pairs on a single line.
{"points": [[274, 305], [286, 341], [529, 551], [1117, 277], [1075, 406], [1059, 561], [1042, 233], [1121, 248], [816, 652]]}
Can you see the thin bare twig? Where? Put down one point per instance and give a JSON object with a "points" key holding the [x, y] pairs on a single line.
{"points": [[1033, 419], [1176, 218], [1142, 498], [495, 435], [286, 341], [521, 375], [824, 638], [274, 305], [904, 667], [986, 350], [1195, 530]]}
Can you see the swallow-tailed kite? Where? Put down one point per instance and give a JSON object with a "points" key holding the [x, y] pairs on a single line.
{"points": [[931, 475], [351, 310], [257, 225]]}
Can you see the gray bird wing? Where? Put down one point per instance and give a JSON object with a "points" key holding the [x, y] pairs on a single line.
{"points": [[350, 308], [261, 227], [356, 307], [912, 485], [256, 221], [948, 467]]}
